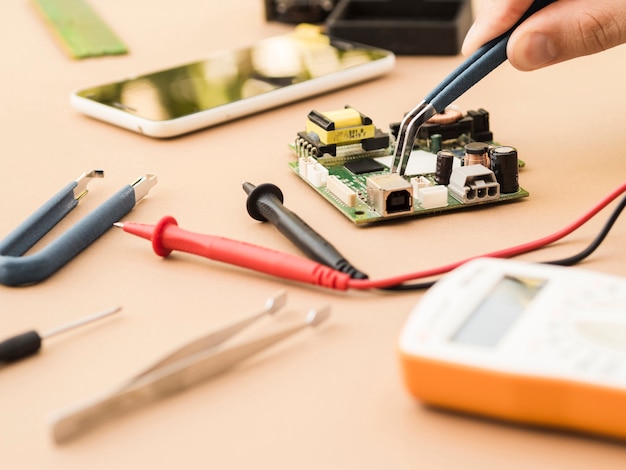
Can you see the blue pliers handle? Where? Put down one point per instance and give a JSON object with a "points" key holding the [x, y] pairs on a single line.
{"points": [[17, 269]]}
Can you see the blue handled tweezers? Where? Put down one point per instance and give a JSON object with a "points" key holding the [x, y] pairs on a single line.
{"points": [[16, 269], [465, 76]]}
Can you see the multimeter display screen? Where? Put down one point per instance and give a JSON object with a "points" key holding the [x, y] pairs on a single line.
{"points": [[502, 306]]}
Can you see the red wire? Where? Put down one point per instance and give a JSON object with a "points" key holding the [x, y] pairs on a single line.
{"points": [[504, 253], [166, 236]]}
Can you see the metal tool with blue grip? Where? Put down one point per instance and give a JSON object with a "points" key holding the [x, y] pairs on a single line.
{"points": [[465, 76], [17, 269]]}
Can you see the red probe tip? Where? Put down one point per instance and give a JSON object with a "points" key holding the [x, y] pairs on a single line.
{"points": [[154, 233]]}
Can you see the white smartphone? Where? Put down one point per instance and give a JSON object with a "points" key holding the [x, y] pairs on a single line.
{"points": [[233, 84]]}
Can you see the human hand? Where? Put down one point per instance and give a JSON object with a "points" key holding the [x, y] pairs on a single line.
{"points": [[561, 31]]}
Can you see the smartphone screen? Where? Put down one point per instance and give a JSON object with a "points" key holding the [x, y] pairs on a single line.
{"points": [[253, 75]]}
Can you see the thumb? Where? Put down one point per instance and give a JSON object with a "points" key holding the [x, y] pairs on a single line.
{"points": [[566, 30]]}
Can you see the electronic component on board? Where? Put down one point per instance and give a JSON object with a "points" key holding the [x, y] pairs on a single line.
{"points": [[312, 171], [443, 170], [476, 153], [474, 184], [436, 142], [454, 164], [390, 194], [433, 197], [505, 166], [364, 166], [341, 191], [339, 133], [427, 195], [474, 124]]}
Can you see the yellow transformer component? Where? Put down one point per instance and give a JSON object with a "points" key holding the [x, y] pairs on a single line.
{"points": [[344, 126]]}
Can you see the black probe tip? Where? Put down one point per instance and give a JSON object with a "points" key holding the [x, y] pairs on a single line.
{"points": [[255, 193]]}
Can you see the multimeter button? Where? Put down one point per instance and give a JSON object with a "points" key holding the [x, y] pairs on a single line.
{"points": [[607, 334], [580, 355], [562, 338], [610, 366], [586, 360], [576, 349], [555, 332], [602, 296], [536, 347]]}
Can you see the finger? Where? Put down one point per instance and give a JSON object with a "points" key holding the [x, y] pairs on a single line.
{"points": [[494, 17], [565, 30]]}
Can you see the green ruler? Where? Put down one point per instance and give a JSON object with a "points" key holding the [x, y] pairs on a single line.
{"points": [[80, 30]]}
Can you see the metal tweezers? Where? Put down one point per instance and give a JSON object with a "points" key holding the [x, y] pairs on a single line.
{"points": [[183, 368], [17, 269], [471, 71]]}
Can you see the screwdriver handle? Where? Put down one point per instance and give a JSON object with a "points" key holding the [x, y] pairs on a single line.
{"points": [[20, 346]]}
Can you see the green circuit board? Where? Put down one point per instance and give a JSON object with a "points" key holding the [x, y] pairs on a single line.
{"points": [[79, 29], [359, 183]]}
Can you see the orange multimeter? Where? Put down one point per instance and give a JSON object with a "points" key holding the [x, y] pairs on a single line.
{"points": [[536, 344]]}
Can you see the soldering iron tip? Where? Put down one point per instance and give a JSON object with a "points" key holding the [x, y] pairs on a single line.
{"points": [[118, 224]]}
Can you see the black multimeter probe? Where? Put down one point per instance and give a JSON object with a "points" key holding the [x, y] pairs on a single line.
{"points": [[265, 203]]}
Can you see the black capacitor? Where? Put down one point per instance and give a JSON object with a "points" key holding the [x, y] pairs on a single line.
{"points": [[443, 170], [505, 166]]}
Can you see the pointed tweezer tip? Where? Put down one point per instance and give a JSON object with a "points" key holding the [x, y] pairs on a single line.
{"points": [[276, 302], [315, 317]]}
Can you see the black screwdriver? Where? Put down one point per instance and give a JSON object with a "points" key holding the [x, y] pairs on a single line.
{"points": [[29, 343], [265, 203]]}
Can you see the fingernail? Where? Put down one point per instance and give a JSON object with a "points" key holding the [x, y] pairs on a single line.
{"points": [[468, 43], [534, 51]]}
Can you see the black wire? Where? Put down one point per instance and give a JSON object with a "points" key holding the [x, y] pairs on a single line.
{"points": [[409, 287], [570, 261], [577, 258]]}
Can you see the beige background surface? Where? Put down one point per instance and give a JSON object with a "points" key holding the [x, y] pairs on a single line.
{"points": [[332, 398]]}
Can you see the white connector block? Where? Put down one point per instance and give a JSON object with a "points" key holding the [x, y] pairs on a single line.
{"points": [[433, 196], [474, 184], [418, 183], [341, 191], [428, 195], [312, 171]]}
